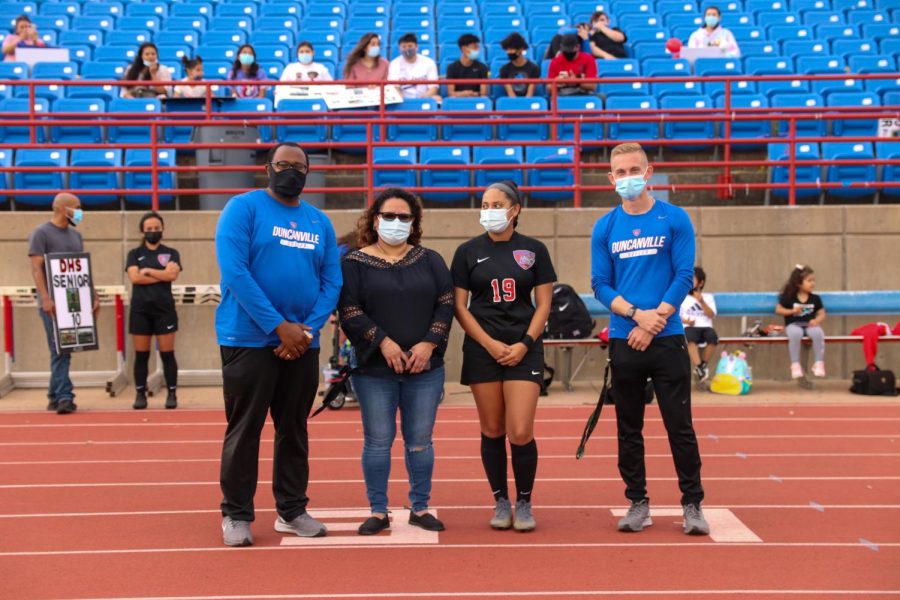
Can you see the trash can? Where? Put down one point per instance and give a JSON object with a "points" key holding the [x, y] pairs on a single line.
{"points": [[316, 179], [232, 157]]}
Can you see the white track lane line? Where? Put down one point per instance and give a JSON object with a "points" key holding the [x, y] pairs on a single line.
{"points": [[520, 594]]}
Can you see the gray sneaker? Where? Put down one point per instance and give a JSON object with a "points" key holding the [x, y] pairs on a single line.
{"points": [[303, 525], [637, 517], [236, 533], [524, 519], [694, 523], [503, 518]]}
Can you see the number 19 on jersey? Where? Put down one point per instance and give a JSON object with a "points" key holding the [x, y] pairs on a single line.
{"points": [[507, 286]]}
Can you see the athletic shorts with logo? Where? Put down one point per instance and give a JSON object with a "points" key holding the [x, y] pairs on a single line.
{"points": [[480, 367], [153, 323]]}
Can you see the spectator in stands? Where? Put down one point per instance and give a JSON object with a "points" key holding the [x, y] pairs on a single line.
{"points": [[25, 36], [304, 70], [365, 62], [803, 314], [412, 66], [697, 313], [642, 258], [605, 42], [245, 68], [518, 67], [281, 278], [193, 71], [146, 67], [468, 67], [400, 346], [553, 48], [570, 65], [152, 267], [713, 35], [57, 235], [494, 276]]}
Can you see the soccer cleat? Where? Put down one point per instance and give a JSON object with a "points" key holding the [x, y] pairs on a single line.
{"points": [[171, 400], [694, 523], [818, 369], [236, 533], [503, 518], [140, 400], [524, 519], [698, 371], [796, 371], [303, 525], [705, 377], [637, 517]]}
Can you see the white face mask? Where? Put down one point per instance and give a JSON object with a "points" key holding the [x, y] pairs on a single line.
{"points": [[494, 220], [393, 233]]}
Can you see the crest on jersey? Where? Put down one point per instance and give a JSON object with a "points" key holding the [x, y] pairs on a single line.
{"points": [[293, 224], [164, 259], [636, 232], [524, 258]]}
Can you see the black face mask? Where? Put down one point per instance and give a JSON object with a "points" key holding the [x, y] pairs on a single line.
{"points": [[153, 237], [570, 56], [288, 183], [512, 55]]}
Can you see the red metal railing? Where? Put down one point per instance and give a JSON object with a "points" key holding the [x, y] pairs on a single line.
{"points": [[555, 119]]}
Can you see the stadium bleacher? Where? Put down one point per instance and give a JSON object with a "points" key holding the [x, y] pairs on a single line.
{"points": [[792, 37]]}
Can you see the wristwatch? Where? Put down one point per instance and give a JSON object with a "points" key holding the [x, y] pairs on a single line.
{"points": [[631, 312]]}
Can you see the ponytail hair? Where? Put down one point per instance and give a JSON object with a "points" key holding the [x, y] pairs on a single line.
{"points": [[190, 63]]}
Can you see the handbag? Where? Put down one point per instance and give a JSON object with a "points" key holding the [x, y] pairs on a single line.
{"points": [[873, 381]]}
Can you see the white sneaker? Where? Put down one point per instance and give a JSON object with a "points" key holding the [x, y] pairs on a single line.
{"points": [[796, 371], [818, 369]]}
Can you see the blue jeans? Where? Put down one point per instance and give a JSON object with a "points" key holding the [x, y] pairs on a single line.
{"points": [[60, 385], [417, 397]]}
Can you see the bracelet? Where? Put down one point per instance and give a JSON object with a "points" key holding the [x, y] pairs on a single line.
{"points": [[527, 340]]}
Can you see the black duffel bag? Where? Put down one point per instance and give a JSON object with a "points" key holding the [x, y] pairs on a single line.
{"points": [[873, 381]]}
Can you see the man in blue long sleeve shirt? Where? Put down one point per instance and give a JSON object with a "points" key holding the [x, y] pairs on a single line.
{"points": [[642, 267], [281, 278]]}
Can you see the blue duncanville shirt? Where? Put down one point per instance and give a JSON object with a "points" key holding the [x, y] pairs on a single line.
{"points": [[647, 259], [277, 263]]}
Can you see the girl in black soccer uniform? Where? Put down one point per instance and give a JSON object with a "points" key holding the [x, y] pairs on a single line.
{"points": [[494, 276], [152, 268]]}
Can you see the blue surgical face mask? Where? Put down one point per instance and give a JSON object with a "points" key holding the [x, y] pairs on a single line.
{"points": [[77, 216], [305, 59], [494, 220], [712, 20], [393, 233], [373, 51], [409, 53], [630, 188], [149, 63], [474, 54], [246, 59]]}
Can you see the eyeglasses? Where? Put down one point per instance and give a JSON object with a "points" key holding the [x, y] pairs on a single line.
{"points": [[392, 216], [283, 165]]}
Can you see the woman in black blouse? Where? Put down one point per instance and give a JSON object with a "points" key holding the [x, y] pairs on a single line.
{"points": [[396, 307]]}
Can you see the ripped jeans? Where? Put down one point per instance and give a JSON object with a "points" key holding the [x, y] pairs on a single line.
{"points": [[417, 397]]}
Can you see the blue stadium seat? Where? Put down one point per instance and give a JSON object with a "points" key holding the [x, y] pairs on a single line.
{"points": [[890, 46], [16, 134], [12, 71], [115, 54], [244, 24], [717, 67], [80, 54], [283, 37], [394, 155], [48, 180], [6, 157], [774, 66], [802, 173], [370, 10], [625, 131], [195, 24], [284, 23], [820, 65], [93, 23], [320, 37], [581, 106], [563, 177], [836, 32], [678, 20], [379, 24], [226, 53], [827, 87], [98, 71], [795, 48], [889, 173], [620, 68], [873, 63], [752, 130], [459, 155], [132, 134], [142, 9], [78, 134], [881, 31], [678, 88], [302, 133], [58, 22], [167, 38], [456, 9], [132, 39], [785, 33], [730, 20], [847, 174], [327, 24], [748, 33], [665, 67], [677, 7], [810, 5], [171, 54], [235, 9], [417, 132], [811, 126], [631, 21], [684, 130], [59, 9], [81, 38], [150, 24], [457, 132], [522, 132], [769, 19], [326, 9], [647, 34], [95, 180], [854, 127], [759, 49], [814, 18], [498, 155], [104, 9], [263, 106], [63, 71], [192, 10], [143, 180], [236, 37], [868, 17]]}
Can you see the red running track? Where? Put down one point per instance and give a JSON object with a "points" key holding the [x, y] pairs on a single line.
{"points": [[804, 501]]}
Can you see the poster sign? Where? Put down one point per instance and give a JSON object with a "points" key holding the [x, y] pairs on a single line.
{"points": [[342, 96], [69, 285], [889, 128]]}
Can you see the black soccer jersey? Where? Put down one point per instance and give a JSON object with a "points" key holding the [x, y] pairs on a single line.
{"points": [[500, 277], [155, 297]]}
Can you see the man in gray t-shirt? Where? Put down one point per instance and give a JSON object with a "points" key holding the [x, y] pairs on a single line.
{"points": [[56, 235]]}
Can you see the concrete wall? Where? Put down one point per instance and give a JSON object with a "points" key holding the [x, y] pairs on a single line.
{"points": [[741, 248]]}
